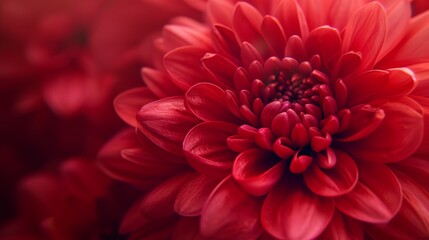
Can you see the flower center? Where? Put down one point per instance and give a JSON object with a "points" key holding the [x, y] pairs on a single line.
{"points": [[291, 110]]}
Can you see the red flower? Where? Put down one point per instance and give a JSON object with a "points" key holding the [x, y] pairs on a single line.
{"points": [[60, 206], [281, 119]]}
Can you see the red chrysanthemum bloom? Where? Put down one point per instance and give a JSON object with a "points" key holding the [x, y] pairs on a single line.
{"points": [[288, 119]]}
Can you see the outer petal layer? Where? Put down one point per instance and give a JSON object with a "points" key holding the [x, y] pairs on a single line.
{"points": [[230, 213], [290, 211], [397, 137], [166, 122], [373, 200]]}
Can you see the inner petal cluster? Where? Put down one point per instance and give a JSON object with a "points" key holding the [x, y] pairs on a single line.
{"points": [[289, 108]]}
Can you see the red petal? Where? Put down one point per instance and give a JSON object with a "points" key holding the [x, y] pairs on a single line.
{"points": [[221, 68], [219, 12], [208, 102], [247, 21], [343, 227], [290, 211], [166, 122], [401, 82], [112, 163], [365, 33], [326, 42], [191, 33], [290, 15], [375, 84], [231, 213], [185, 67], [363, 122], [128, 103], [416, 168], [193, 195], [159, 203], [159, 83], [273, 33], [206, 148], [412, 220], [333, 182], [398, 18], [364, 87], [376, 198], [295, 49], [316, 12], [341, 11], [257, 171], [413, 48], [398, 136], [156, 164], [226, 41]]}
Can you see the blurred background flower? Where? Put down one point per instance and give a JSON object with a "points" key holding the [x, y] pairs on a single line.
{"points": [[61, 65]]}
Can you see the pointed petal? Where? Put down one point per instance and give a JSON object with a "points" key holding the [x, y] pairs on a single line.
{"points": [[339, 180], [230, 213], [206, 148], [403, 126], [257, 171], [365, 33], [290, 211], [128, 103], [166, 122], [373, 200], [193, 195], [225, 40], [221, 68], [274, 35], [159, 203], [247, 21], [208, 102], [184, 66], [159, 83]]}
